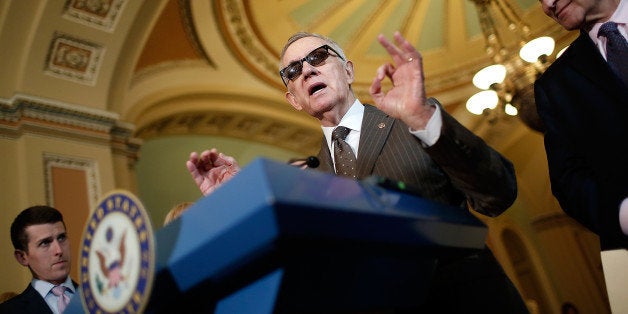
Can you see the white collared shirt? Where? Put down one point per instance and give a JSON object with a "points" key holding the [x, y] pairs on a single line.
{"points": [[44, 289], [353, 120]]}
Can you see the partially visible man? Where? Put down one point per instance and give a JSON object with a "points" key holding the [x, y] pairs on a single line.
{"points": [[405, 137], [582, 99], [176, 211], [41, 243]]}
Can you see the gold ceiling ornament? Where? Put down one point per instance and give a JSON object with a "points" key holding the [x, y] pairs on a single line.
{"points": [[240, 33], [507, 84]]}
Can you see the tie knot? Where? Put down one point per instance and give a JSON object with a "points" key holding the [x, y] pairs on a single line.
{"points": [[340, 132], [58, 290], [607, 29]]}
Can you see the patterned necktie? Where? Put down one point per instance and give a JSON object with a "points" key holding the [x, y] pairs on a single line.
{"points": [[343, 155], [616, 50], [62, 299]]}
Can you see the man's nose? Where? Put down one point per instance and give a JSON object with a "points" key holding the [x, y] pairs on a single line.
{"points": [[308, 69], [57, 247]]}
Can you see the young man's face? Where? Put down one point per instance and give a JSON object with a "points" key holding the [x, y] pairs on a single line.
{"points": [[48, 255], [319, 88], [573, 14]]}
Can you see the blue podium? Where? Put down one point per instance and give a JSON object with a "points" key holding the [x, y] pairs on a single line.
{"points": [[277, 239]]}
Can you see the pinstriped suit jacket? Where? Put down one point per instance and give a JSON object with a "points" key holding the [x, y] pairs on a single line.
{"points": [[459, 167]]}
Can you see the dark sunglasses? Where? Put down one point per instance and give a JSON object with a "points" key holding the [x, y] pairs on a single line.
{"points": [[314, 58]]}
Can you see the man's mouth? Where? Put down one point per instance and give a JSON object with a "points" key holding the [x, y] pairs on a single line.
{"points": [[316, 87]]}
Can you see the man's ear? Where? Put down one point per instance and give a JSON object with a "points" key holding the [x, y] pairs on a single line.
{"points": [[293, 101], [350, 72], [21, 257]]}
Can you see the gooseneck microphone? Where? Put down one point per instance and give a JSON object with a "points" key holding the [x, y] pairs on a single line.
{"points": [[311, 162]]}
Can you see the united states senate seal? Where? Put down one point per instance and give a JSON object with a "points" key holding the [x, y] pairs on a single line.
{"points": [[117, 257]]}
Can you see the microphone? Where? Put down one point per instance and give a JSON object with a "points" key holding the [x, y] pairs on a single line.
{"points": [[311, 162]]}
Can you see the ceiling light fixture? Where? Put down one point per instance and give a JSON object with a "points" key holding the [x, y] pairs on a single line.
{"points": [[508, 83]]}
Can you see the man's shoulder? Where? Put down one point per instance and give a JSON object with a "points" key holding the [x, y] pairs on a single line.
{"points": [[372, 110], [582, 42], [13, 304], [582, 49], [25, 302]]}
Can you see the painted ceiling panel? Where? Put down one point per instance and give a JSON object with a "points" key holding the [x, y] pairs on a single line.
{"points": [[436, 27], [433, 26]]}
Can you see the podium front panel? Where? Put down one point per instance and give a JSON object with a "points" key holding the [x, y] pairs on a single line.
{"points": [[337, 244]]}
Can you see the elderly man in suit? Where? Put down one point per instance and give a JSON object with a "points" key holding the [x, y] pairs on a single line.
{"points": [[582, 99], [408, 138], [41, 243]]}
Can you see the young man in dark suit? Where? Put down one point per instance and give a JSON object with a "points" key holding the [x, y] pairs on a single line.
{"points": [[41, 243], [582, 99], [406, 137]]}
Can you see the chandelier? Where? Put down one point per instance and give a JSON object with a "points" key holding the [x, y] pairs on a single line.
{"points": [[507, 86]]}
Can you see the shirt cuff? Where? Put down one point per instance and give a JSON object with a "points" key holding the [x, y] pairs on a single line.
{"points": [[623, 216], [431, 134]]}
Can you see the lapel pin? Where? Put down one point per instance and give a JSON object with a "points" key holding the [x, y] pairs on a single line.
{"points": [[381, 125]]}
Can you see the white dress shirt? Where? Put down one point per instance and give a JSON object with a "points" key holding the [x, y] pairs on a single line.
{"points": [[353, 120]]}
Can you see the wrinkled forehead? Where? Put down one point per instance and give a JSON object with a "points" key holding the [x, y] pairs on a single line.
{"points": [[37, 232], [300, 48]]}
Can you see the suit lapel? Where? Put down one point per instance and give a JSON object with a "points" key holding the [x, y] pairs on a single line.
{"points": [[324, 156], [587, 60], [376, 127], [33, 302]]}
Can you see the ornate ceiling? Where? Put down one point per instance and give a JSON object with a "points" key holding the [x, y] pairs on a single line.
{"points": [[209, 67], [253, 32], [447, 32]]}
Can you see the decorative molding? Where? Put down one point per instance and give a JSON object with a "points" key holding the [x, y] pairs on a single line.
{"points": [[123, 143], [99, 14], [245, 43], [162, 67], [73, 59], [23, 109], [190, 29], [238, 125], [69, 162], [27, 114]]}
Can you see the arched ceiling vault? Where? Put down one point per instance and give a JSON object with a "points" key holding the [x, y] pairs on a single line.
{"points": [[237, 44]]}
